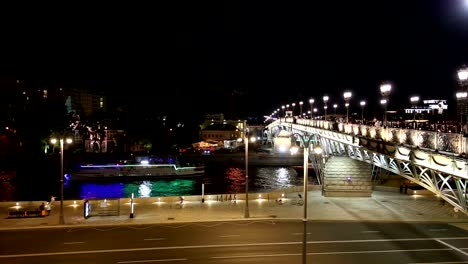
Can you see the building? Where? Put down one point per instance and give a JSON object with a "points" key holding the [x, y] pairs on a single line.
{"points": [[220, 132], [83, 101]]}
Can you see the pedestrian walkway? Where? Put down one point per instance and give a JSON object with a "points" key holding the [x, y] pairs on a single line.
{"points": [[381, 206]]}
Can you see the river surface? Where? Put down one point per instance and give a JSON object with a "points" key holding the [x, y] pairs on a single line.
{"points": [[218, 179]]}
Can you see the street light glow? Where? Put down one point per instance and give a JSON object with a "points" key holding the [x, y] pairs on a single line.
{"points": [[362, 103], [347, 95], [318, 150], [463, 74], [462, 95], [294, 150], [385, 89], [414, 99]]}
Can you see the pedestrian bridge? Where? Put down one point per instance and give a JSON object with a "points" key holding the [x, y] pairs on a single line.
{"points": [[433, 160]]}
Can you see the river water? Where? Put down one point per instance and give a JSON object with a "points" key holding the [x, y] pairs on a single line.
{"points": [[218, 179]]}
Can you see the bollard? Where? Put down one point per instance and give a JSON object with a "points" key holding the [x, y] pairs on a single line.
{"points": [[203, 193], [131, 207]]}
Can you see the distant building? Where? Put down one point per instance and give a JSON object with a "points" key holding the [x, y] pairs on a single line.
{"points": [[220, 132], [84, 102]]}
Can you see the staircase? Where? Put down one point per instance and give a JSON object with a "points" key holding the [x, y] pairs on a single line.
{"points": [[346, 177]]}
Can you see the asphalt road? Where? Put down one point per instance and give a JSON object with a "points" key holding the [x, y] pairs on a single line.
{"points": [[239, 242]]}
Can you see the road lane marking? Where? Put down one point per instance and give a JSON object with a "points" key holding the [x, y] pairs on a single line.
{"points": [[61, 253], [151, 260], [230, 236], [451, 262], [154, 238], [335, 253], [370, 231], [71, 243], [452, 247]]}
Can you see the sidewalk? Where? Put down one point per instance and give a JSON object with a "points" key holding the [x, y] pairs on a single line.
{"points": [[382, 206]]}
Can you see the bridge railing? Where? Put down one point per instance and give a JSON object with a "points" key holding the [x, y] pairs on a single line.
{"points": [[450, 143]]}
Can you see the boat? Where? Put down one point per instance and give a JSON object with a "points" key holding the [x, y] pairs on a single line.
{"points": [[135, 171]]}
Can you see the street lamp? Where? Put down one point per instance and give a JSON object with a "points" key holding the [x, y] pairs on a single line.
{"points": [[246, 143], [300, 107], [463, 74], [461, 103], [414, 101], [462, 95], [306, 140], [284, 113], [384, 103], [68, 141], [311, 102], [293, 108], [385, 91], [334, 109], [363, 104], [325, 100], [347, 97]]}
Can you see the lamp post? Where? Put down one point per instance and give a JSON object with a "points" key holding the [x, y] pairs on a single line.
{"points": [[300, 107], [385, 89], [246, 143], [414, 101], [284, 113], [54, 141], [461, 104], [305, 140], [311, 102], [334, 109], [363, 104], [347, 97], [383, 102], [325, 100], [462, 95], [293, 108]]}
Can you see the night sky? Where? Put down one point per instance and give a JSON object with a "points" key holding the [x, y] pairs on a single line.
{"points": [[247, 57]]}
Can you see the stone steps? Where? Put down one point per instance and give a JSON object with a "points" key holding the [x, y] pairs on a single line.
{"points": [[345, 177]]}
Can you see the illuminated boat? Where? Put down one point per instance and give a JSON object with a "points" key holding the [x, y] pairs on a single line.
{"points": [[132, 171]]}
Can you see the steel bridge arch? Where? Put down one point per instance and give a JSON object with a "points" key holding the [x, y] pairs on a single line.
{"points": [[445, 176]]}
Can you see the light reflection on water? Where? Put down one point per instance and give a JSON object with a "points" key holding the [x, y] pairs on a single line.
{"points": [[217, 180]]}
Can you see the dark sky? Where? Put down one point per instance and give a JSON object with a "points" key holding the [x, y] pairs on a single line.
{"points": [[244, 56]]}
